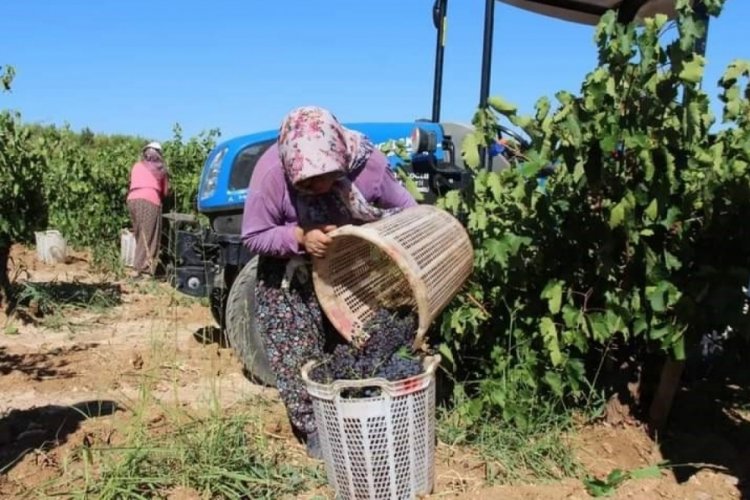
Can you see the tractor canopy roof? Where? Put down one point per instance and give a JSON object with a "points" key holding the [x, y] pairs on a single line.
{"points": [[589, 11]]}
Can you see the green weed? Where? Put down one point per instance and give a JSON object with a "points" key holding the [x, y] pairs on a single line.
{"points": [[163, 444], [607, 486], [219, 456], [219, 453]]}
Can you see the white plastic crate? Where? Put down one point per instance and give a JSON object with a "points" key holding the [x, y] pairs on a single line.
{"points": [[127, 248], [381, 447], [51, 247]]}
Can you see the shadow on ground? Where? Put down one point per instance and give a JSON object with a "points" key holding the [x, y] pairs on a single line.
{"points": [[42, 429], [709, 425], [211, 335], [41, 365], [31, 300], [68, 293]]}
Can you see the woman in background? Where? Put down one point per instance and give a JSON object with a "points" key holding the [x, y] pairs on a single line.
{"points": [[149, 185]]}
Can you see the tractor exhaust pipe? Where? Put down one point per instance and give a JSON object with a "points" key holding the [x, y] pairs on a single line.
{"points": [[484, 93], [439, 19]]}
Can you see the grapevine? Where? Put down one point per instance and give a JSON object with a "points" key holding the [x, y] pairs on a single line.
{"points": [[635, 243]]}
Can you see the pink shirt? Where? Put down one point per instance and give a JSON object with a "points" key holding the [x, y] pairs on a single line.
{"points": [[144, 186]]}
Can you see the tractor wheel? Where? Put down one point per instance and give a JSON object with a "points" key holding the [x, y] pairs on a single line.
{"points": [[241, 329]]}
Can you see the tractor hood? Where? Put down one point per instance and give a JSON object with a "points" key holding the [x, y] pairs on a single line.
{"points": [[589, 11]]}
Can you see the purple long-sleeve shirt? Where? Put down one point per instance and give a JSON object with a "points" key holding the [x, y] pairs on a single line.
{"points": [[270, 215]]}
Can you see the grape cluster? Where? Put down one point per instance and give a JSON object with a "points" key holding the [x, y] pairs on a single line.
{"points": [[386, 353]]}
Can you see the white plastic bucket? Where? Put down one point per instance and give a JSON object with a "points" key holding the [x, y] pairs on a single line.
{"points": [[127, 248], [51, 247], [382, 446]]}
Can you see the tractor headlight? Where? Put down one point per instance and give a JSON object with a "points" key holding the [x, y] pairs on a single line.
{"points": [[423, 141], [212, 175]]}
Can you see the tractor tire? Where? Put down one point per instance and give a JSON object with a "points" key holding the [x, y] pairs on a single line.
{"points": [[241, 329]]}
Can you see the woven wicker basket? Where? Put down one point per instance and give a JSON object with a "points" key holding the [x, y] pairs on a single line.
{"points": [[419, 258]]}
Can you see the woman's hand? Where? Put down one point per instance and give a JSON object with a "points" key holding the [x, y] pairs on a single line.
{"points": [[316, 240]]}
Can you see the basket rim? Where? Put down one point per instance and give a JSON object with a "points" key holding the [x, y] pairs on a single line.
{"points": [[417, 286], [393, 388]]}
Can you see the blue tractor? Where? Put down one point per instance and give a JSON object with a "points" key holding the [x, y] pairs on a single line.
{"points": [[212, 262]]}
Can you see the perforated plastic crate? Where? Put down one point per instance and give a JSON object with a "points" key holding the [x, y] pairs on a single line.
{"points": [[419, 257], [127, 248], [380, 447], [51, 246]]}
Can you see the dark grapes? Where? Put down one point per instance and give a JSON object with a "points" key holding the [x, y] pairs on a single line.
{"points": [[398, 368], [386, 352]]}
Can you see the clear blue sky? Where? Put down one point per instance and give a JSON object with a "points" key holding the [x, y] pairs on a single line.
{"points": [[138, 67]]}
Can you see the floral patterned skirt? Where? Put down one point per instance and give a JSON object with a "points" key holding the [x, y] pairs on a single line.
{"points": [[294, 331]]}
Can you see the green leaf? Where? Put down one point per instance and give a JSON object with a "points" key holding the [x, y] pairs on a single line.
{"points": [[655, 296], [692, 71], [497, 250], [501, 105], [673, 214], [605, 487], [599, 331], [515, 242], [611, 88], [523, 122], [494, 185], [551, 341], [470, 150], [613, 321], [652, 210], [678, 348], [639, 326], [571, 316], [497, 396], [564, 97], [672, 263], [478, 220], [659, 332], [404, 352], [617, 214], [647, 161], [554, 381], [553, 293], [609, 143], [573, 129], [734, 71], [532, 167], [542, 108], [649, 472], [597, 487], [446, 353], [617, 477]]}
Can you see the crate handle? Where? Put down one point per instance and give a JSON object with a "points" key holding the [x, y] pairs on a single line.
{"points": [[430, 365]]}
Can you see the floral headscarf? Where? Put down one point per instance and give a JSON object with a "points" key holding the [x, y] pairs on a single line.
{"points": [[154, 161], [312, 142]]}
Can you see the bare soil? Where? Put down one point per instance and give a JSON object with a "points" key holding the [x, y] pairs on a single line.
{"points": [[71, 377]]}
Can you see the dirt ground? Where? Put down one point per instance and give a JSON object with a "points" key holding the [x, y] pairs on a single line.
{"points": [[55, 370]]}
